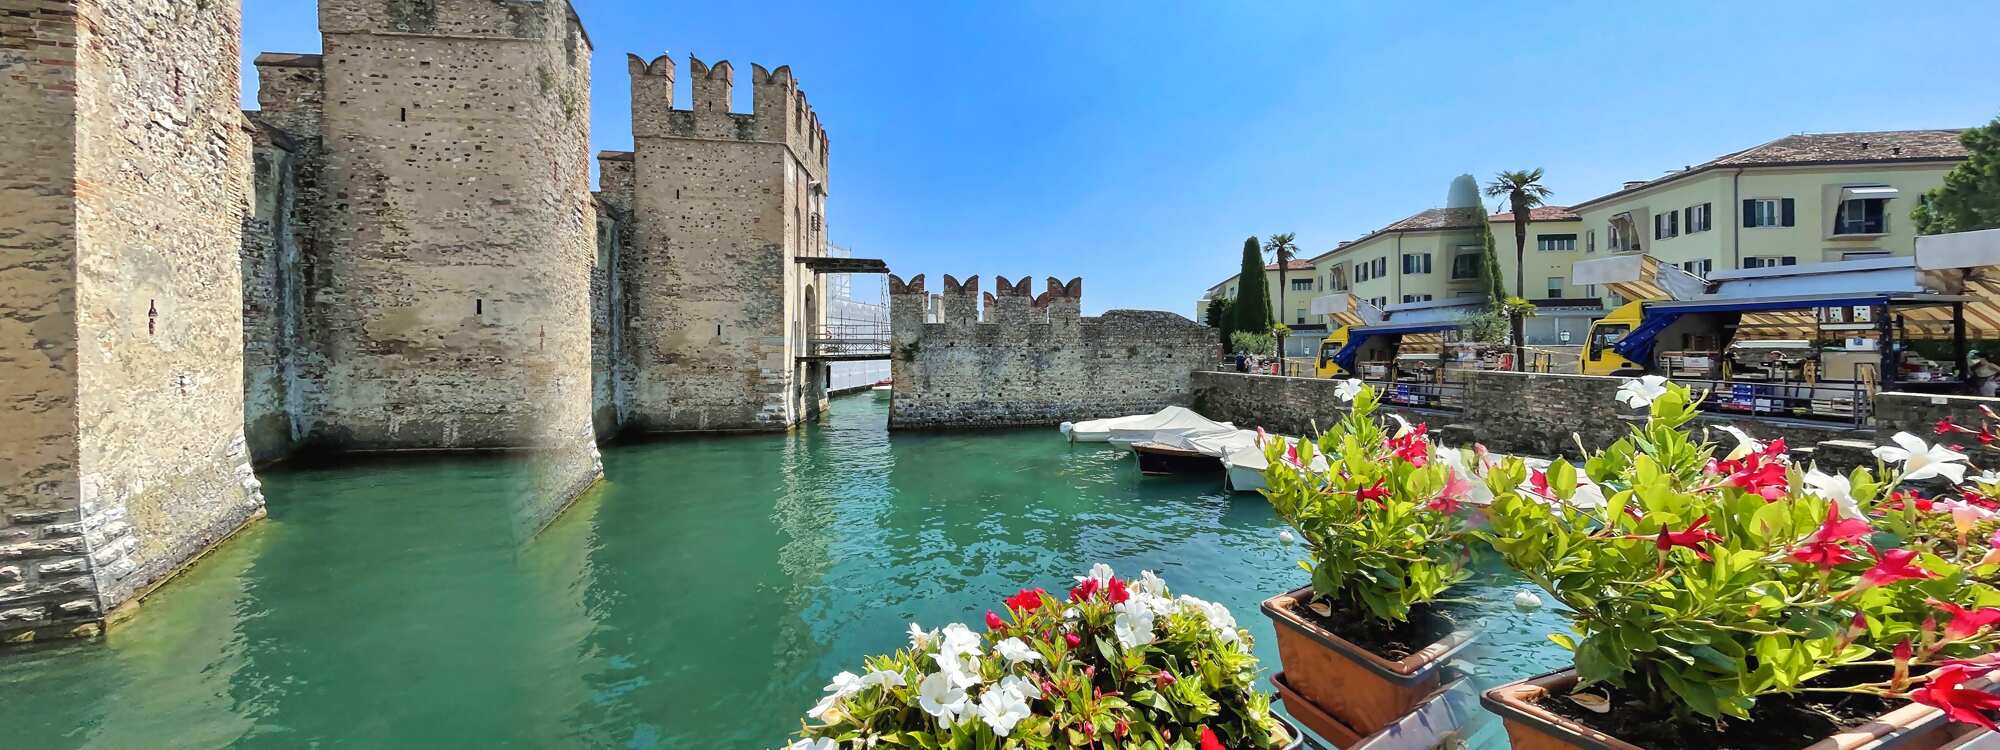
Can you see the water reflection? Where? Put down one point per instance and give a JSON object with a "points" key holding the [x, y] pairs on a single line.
{"points": [[699, 598]]}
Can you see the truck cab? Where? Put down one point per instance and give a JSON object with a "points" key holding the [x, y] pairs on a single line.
{"points": [[1599, 357], [1329, 347]]}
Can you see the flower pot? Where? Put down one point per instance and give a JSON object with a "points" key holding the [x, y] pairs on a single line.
{"points": [[1363, 691], [1298, 737], [1310, 715], [1531, 727]]}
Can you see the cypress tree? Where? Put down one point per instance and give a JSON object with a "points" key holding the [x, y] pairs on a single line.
{"points": [[1252, 311], [1217, 317]]}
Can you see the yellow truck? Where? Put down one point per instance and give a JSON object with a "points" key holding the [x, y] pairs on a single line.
{"points": [[1600, 356]]}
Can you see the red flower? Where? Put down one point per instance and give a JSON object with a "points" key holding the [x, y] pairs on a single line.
{"points": [[1945, 427], [1825, 556], [1986, 436], [1210, 742], [1894, 565], [1692, 538], [1767, 480], [1964, 623], [993, 621], [1411, 447], [1028, 600], [1072, 639], [1538, 481], [1377, 492], [1901, 498], [1837, 528], [1943, 693], [1115, 592], [1084, 590]]}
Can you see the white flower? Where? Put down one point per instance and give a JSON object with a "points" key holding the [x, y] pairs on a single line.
{"points": [[843, 685], [1836, 489], [1021, 686], [1149, 584], [1348, 389], [1285, 535], [882, 677], [920, 638], [1964, 515], [941, 696], [1588, 496], [1402, 425], [1072, 613], [1219, 617], [1527, 600], [819, 743], [1745, 445], [1015, 651], [1002, 709], [1101, 573], [959, 640], [1133, 624], [1922, 461], [1987, 476], [1642, 392]]}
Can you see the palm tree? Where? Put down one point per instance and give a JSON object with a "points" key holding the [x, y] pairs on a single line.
{"points": [[1282, 248], [1523, 190]]}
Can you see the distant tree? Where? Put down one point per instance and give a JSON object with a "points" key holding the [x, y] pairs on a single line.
{"points": [[1217, 317], [1282, 248], [1969, 199], [1252, 309], [1252, 343], [1496, 283], [1523, 190]]}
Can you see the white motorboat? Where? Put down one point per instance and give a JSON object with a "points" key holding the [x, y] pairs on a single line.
{"points": [[1171, 421]]}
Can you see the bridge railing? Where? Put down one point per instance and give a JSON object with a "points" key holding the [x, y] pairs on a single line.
{"points": [[849, 340]]}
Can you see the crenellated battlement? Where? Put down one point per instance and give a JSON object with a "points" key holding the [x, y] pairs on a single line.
{"points": [[1010, 356], [498, 19], [779, 110]]}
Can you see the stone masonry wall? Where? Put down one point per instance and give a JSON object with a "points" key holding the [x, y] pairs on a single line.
{"points": [[280, 251], [1037, 362], [447, 240], [38, 333], [1532, 414], [129, 212], [716, 308]]}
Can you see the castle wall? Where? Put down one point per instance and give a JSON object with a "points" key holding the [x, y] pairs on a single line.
{"points": [[1037, 362], [608, 362], [131, 183], [717, 308]]}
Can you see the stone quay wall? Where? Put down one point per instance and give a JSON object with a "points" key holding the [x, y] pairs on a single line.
{"points": [[124, 177], [1534, 414], [1036, 362]]}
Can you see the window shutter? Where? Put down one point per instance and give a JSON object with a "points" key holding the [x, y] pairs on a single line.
{"points": [[1750, 212], [1707, 214], [1787, 211], [1658, 226], [1687, 219]]}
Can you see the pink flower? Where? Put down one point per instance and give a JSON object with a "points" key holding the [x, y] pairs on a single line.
{"points": [[1894, 565], [993, 621], [1942, 692], [1455, 489], [1692, 538], [1072, 639], [1965, 623]]}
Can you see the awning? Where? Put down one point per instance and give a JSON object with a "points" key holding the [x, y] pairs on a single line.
{"points": [[1872, 192], [1360, 335], [1782, 317]]}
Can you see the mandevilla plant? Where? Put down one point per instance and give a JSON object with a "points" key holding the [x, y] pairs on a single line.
{"points": [[1380, 523], [1116, 664], [1699, 583]]}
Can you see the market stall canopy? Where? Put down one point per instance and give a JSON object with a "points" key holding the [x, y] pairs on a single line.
{"points": [[1792, 316], [1638, 277], [1358, 336], [1346, 309]]}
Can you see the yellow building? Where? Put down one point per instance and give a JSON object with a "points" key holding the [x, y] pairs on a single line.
{"points": [[1290, 308], [1438, 255], [1555, 242], [1798, 199]]}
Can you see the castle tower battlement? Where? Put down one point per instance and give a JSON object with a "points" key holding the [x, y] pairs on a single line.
{"points": [[723, 204], [1033, 360], [779, 111]]}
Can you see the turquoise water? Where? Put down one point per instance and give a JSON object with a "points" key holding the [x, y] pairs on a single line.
{"points": [[699, 600]]}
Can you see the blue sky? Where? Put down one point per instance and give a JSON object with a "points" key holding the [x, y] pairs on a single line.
{"points": [[1137, 144]]}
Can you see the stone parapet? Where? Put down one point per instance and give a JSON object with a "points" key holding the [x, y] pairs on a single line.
{"points": [[1036, 361]]}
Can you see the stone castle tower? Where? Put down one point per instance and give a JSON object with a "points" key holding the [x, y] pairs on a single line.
{"points": [[714, 210], [444, 234], [123, 181]]}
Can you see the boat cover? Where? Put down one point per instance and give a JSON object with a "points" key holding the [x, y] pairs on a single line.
{"points": [[1170, 426], [1170, 419]]}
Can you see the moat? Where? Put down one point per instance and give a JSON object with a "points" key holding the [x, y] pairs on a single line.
{"points": [[699, 599]]}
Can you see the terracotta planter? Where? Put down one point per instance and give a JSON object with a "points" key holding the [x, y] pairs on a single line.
{"points": [[1363, 692], [1531, 727]]}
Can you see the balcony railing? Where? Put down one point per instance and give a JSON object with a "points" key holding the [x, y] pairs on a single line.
{"points": [[848, 341]]}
